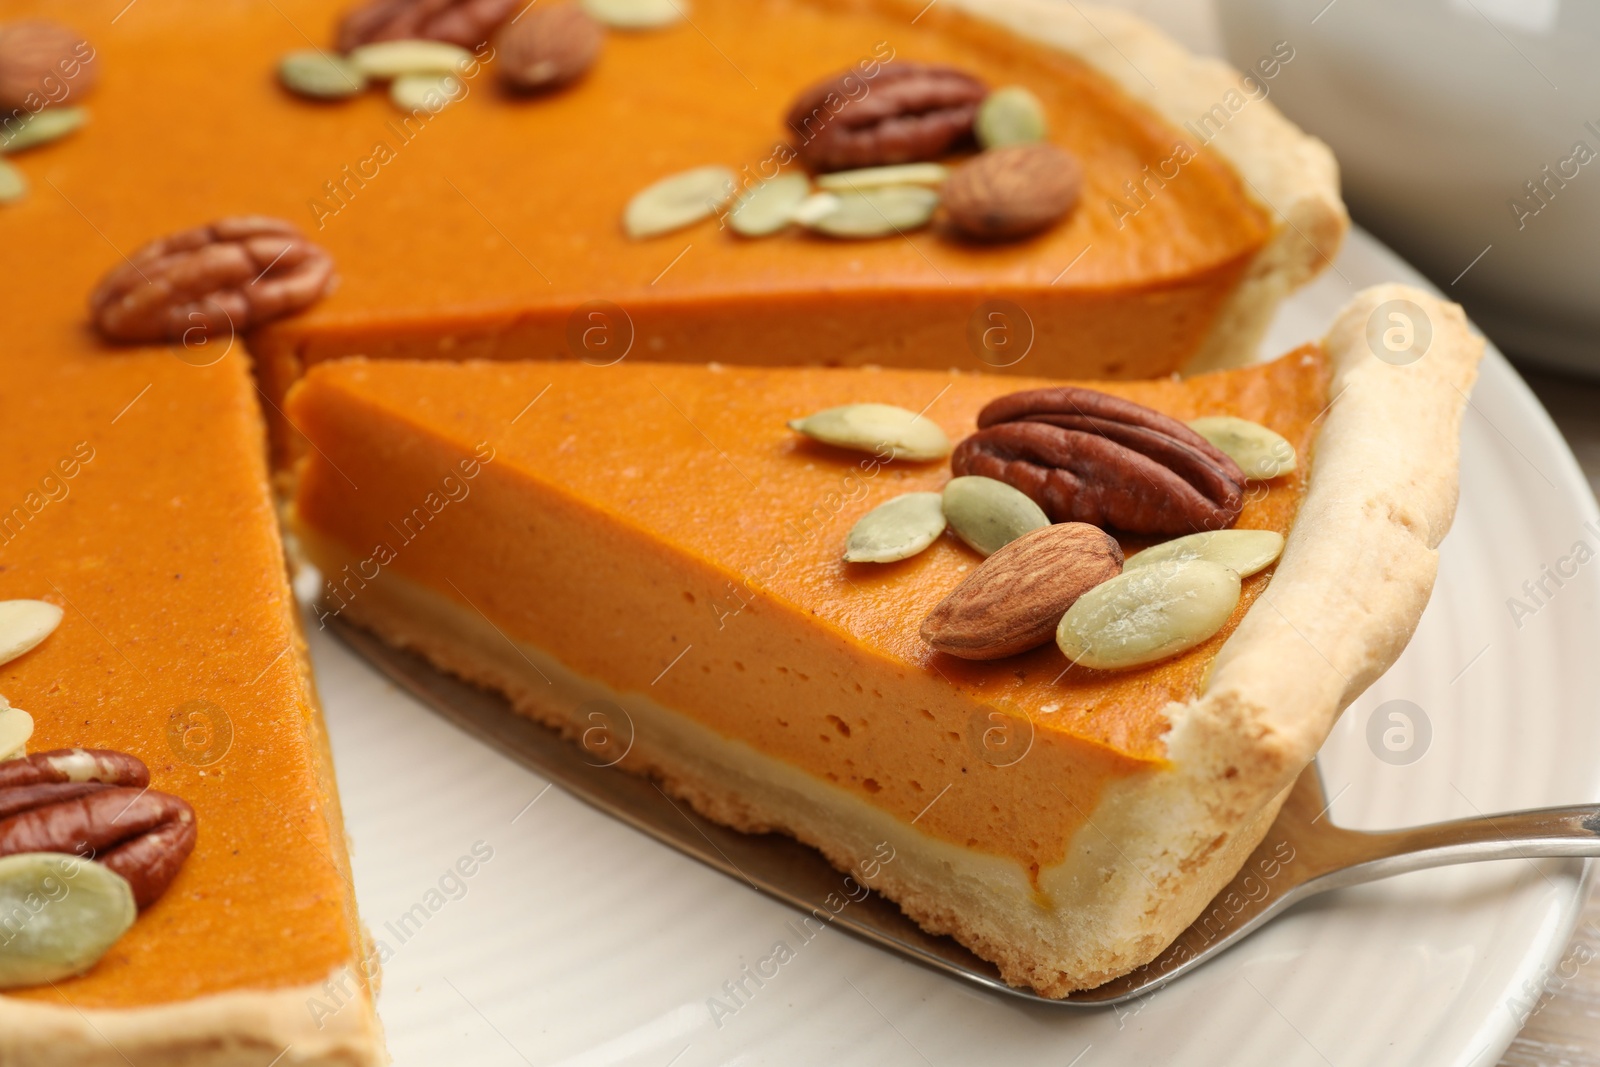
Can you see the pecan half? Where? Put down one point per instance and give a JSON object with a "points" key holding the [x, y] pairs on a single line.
{"points": [[1086, 456], [40, 59], [96, 804], [467, 23], [233, 274], [907, 112], [547, 48]]}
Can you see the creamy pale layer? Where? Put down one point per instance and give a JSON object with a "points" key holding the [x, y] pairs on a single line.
{"points": [[133, 494], [659, 528], [482, 229], [327, 1024], [1066, 927]]}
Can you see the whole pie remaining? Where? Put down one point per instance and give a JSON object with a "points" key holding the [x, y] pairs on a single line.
{"points": [[654, 543], [137, 502], [178, 644], [492, 228]]}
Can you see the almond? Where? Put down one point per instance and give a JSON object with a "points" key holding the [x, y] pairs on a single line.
{"points": [[1013, 191], [548, 47], [1016, 597], [42, 63]]}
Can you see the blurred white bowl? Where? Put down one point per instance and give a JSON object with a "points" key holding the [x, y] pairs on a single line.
{"points": [[1469, 136]]}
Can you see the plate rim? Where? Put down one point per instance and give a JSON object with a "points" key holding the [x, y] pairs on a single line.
{"points": [[1575, 488]]}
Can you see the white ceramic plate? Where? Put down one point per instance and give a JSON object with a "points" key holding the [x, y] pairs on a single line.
{"points": [[582, 942]]}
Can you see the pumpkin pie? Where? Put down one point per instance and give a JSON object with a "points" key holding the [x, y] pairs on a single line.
{"points": [[1202, 206], [154, 530], [487, 229], [653, 542]]}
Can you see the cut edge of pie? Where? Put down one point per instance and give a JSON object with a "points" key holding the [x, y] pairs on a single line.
{"points": [[1347, 594], [226, 531], [235, 1029]]}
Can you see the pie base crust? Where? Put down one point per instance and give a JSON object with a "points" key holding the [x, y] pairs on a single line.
{"points": [[1355, 575], [226, 495], [243, 1029]]}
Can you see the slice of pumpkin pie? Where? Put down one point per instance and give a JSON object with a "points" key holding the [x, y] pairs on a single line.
{"points": [[750, 564], [153, 670]]}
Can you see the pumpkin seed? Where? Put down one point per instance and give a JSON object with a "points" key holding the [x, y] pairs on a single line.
{"points": [[814, 207], [1012, 115], [876, 212], [392, 59], [890, 432], [426, 92], [13, 186], [42, 127], [637, 14], [896, 529], [989, 514], [1148, 614], [63, 914], [16, 726], [875, 177], [768, 207], [23, 624], [1259, 452], [1244, 552], [319, 75], [677, 201]]}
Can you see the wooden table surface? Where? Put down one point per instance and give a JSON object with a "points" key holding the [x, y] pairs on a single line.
{"points": [[1564, 1029]]}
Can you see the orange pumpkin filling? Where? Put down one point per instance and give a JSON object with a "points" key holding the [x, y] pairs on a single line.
{"points": [[725, 598], [494, 261], [479, 231], [180, 645]]}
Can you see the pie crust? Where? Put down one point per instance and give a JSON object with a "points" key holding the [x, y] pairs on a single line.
{"points": [[332, 1025]]}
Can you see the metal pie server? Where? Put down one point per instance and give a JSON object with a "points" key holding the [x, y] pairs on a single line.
{"points": [[1303, 853]]}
